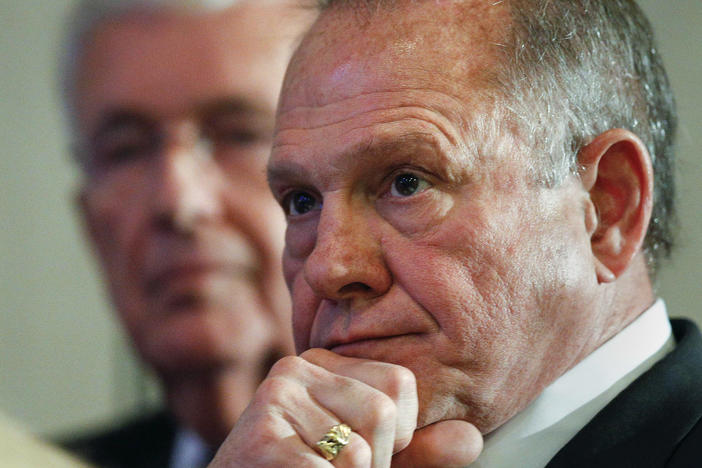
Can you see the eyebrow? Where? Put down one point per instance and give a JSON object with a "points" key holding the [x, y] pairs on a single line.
{"points": [[371, 148], [234, 105], [119, 118], [125, 116]]}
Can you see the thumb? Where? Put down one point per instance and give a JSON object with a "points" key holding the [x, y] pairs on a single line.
{"points": [[443, 444]]}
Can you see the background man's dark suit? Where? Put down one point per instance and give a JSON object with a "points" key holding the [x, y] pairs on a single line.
{"points": [[143, 443]]}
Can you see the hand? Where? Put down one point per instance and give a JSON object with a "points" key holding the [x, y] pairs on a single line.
{"points": [[304, 396]]}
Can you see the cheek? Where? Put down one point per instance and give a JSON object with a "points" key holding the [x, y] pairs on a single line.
{"points": [[116, 212], [471, 275], [418, 215], [305, 305], [301, 237], [111, 218]]}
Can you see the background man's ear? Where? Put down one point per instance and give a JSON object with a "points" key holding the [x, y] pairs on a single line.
{"points": [[616, 170]]}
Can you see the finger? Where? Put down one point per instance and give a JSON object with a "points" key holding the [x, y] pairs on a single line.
{"points": [[357, 454], [442, 444], [395, 381], [312, 400]]}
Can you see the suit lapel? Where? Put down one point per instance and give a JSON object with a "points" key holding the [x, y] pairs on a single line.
{"points": [[643, 425]]}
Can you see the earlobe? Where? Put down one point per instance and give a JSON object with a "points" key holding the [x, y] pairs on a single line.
{"points": [[616, 171]]}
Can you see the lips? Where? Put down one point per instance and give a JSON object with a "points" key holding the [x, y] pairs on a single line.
{"points": [[374, 329], [342, 344], [192, 271]]}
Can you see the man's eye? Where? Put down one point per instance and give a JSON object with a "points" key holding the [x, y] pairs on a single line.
{"points": [[122, 143], [115, 153], [299, 203], [407, 184]]}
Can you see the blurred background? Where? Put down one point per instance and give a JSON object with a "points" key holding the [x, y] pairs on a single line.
{"points": [[64, 363]]}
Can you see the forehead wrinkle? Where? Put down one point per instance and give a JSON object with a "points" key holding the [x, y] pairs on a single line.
{"points": [[368, 101], [448, 114], [382, 149], [290, 136], [405, 146]]}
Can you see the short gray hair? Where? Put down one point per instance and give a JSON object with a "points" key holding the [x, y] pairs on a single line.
{"points": [[85, 15], [575, 69]]}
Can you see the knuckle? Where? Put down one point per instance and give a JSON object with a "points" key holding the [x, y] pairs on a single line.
{"points": [[400, 380], [358, 454], [275, 390], [314, 354], [381, 409], [288, 365]]}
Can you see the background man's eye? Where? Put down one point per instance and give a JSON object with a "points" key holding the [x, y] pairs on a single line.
{"points": [[237, 137], [298, 203], [407, 184], [115, 152]]}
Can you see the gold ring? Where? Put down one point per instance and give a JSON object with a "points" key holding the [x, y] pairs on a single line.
{"points": [[334, 440]]}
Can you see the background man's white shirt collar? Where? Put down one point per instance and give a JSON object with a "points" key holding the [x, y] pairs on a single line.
{"points": [[534, 436], [189, 451]]}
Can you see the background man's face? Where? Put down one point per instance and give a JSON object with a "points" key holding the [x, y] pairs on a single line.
{"points": [[413, 240], [178, 113]]}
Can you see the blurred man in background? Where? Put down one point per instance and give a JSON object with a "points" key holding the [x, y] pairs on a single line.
{"points": [[172, 108]]}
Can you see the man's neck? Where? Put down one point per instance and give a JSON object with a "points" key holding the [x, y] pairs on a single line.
{"points": [[533, 436], [210, 403]]}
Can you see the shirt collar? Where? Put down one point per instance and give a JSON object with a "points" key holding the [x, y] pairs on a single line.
{"points": [[189, 450], [534, 436]]}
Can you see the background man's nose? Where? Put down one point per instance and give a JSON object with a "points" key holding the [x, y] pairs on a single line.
{"points": [[186, 190]]}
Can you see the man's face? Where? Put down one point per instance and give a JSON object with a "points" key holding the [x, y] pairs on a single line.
{"points": [[412, 237], [177, 113]]}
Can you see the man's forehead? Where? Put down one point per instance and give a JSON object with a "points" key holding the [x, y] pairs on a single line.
{"points": [[157, 61], [417, 43]]}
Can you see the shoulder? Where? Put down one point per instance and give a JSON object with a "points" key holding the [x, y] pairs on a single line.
{"points": [[143, 441], [654, 422], [689, 452]]}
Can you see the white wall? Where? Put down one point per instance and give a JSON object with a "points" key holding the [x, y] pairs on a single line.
{"points": [[63, 362], [678, 27]]}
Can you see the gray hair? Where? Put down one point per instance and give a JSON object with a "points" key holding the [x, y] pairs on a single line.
{"points": [[575, 69], [85, 15], [578, 68]]}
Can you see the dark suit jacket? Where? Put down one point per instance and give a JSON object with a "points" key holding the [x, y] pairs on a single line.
{"points": [[146, 442], [655, 422]]}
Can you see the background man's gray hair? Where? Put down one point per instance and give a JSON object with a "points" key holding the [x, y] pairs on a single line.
{"points": [[574, 69], [86, 14]]}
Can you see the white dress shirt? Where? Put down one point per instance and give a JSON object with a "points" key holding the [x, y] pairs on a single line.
{"points": [[534, 436]]}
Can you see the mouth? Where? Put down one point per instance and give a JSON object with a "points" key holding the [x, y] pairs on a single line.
{"points": [[370, 347], [187, 286], [194, 271]]}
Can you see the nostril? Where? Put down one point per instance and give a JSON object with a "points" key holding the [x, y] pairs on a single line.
{"points": [[164, 221], [352, 288], [174, 223]]}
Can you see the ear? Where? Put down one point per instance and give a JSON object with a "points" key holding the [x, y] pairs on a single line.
{"points": [[616, 171]]}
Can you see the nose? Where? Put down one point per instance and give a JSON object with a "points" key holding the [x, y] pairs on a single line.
{"points": [[346, 261], [185, 190]]}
